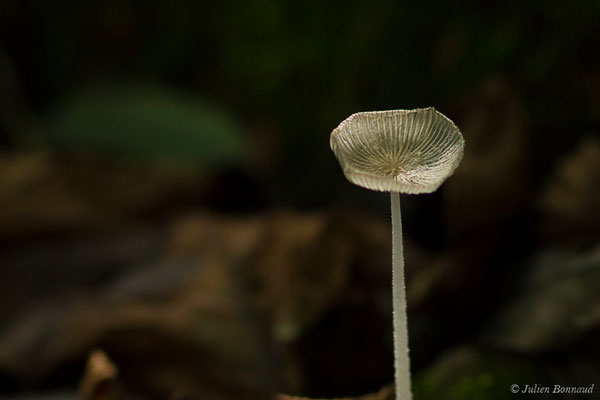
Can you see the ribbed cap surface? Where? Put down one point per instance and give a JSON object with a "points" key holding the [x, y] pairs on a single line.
{"points": [[406, 151]]}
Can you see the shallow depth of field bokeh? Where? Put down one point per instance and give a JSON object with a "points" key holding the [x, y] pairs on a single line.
{"points": [[174, 225]]}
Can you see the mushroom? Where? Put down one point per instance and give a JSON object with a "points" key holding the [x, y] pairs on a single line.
{"points": [[398, 151]]}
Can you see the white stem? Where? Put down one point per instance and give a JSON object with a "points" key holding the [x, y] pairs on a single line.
{"points": [[402, 362]]}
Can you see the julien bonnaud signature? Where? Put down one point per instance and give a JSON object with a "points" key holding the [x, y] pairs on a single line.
{"points": [[558, 389]]}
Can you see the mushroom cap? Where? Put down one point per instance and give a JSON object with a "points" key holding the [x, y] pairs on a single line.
{"points": [[406, 151]]}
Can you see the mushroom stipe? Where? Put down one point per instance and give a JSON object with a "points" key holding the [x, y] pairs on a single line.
{"points": [[398, 151]]}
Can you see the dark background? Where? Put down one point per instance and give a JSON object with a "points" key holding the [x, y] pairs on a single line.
{"points": [[168, 195]]}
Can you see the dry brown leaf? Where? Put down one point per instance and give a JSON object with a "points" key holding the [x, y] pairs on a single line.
{"points": [[386, 393]]}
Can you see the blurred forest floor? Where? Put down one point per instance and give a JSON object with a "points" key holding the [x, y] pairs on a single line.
{"points": [[189, 303], [174, 225]]}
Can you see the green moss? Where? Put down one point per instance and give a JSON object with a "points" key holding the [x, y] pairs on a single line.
{"points": [[468, 374]]}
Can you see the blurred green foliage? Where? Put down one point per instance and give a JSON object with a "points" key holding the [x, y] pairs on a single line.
{"points": [[470, 374], [147, 124]]}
